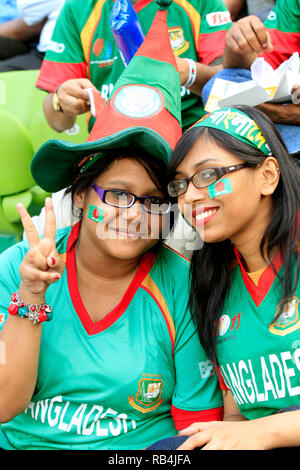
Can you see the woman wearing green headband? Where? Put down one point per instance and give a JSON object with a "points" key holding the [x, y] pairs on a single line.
{"points": [[239, 188]]}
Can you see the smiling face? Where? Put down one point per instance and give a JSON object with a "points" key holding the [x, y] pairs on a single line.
{"points": [[122, 233], [238, 205]]}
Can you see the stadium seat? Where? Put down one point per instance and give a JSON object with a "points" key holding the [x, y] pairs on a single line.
{"points": [[23, 129]]}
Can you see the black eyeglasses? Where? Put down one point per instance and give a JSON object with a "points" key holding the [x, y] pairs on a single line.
{"points": [[202, 178], [124, 199]]}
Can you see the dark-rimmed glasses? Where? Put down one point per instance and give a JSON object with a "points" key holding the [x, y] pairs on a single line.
{"points": [[202, 178], [124, 199]]}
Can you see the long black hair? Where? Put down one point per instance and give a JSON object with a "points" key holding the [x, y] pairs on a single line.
{"points": [[211, 266]]}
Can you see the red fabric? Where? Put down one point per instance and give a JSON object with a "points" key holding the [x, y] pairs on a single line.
{"points": [[206, 53], [59, 73], [141, 4], [285, 44], [111, 122], [222, 383], [259, 292], [158, 45], [183, 418]]}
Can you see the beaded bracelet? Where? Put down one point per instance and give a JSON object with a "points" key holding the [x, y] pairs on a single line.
{"points": [[35, 313], [192, 74]]}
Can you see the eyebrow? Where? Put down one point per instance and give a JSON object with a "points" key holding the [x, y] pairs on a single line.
{"points": [[198, 164], [124, 185]]}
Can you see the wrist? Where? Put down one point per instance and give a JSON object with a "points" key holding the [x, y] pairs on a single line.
{"points": [[56, 103], [30, 296], [192, 73], [36, 312]]}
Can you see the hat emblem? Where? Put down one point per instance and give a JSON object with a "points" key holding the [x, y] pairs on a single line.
{"points": [[138, 101]]}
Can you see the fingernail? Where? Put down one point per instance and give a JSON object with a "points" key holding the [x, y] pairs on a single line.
{"points": [[57, 276], [53, 260]]}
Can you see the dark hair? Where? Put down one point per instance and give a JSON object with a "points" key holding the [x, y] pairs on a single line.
{"points": [[156, 169], [211, 266]]}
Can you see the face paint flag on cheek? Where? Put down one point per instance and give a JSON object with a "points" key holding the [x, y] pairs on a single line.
{"points": [[95, 213], [219, 188]]}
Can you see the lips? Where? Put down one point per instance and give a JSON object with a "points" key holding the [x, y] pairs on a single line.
{"points": [[124, 233], [204, 215]]}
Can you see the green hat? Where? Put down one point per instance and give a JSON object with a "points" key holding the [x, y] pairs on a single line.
{"points": [[143, 113]]}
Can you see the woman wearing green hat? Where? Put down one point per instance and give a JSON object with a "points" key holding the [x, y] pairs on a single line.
{"points": [[118, 364], [237, 186], [99, 348]]}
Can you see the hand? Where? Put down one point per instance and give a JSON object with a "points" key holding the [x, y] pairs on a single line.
{"points": [[72, 96], [42, 264], [222, 435], [249, 35], [296, 94]]}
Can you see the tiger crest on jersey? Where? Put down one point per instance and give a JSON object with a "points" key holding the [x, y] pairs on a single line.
{"points": [[148, 396], [289, 320]]}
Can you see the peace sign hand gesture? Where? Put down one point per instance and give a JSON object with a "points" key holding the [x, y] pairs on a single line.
{"points": [[42, 265]]}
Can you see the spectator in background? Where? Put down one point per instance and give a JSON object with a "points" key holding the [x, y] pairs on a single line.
{"points": [[84, 54], [276, 40], [24, 39]]}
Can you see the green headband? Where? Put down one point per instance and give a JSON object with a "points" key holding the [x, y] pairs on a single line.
{"points": [[238, 124]]}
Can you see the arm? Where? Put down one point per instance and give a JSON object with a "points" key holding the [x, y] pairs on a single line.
{"points": [[40, 267], [246, 39], [282, 114], [73, 100], [234, 7], [203, 74], [18, 29]]}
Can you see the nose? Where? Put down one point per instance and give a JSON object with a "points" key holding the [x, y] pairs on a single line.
{"points": [[193, 195], [133, 212]]}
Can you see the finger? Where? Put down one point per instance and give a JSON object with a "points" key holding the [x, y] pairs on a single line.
{"points": [[197, 440], [32, 274], [34, 257], [260, 32], [269, 46], [29, 227], [55, 261], [50, 221], [196, 427], [74, 105], [85, 83], [247, 40]]}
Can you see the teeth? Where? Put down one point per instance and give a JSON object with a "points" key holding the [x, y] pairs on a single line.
{"points": [[205, 214]]}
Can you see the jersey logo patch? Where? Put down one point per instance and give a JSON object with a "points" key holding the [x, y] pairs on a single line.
{"points": [[178, 43], [218, 18], [138, 101], [148, 396], [289, 320], [98, 46]]}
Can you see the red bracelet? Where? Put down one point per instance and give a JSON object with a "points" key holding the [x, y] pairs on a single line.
{"points": [[35, 313]]}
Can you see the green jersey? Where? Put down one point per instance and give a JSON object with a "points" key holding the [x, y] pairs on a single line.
{"points": [[83, 45], [258, 354], [283, 24], [120, 383]]}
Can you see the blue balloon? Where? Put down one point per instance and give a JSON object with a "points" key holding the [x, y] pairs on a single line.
{"points": [[126, 29]]}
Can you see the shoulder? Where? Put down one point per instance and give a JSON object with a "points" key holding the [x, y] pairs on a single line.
{"points": [[170, 273], [171, 260]]}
